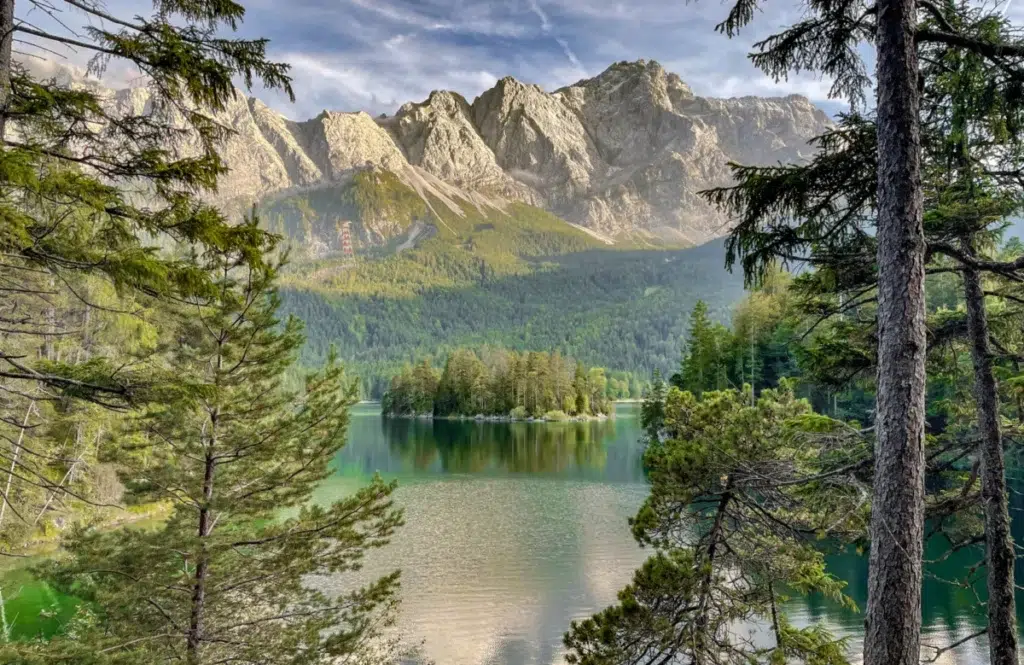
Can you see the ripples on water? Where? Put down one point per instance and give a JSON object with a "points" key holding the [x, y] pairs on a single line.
{"points": [[514, 529]]}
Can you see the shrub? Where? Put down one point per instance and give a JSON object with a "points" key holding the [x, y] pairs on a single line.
{"points": [[518, 413]]}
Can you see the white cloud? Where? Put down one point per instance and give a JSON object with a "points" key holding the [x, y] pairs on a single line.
{"points": [[456, 22], [569, 54], [546, 28], [376, 54], [545, 24]]}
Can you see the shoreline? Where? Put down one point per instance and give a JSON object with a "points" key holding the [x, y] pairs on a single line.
{"points": [[45, 545], [481, 418]]}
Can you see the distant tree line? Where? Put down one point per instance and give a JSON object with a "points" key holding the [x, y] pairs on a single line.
{"points": [[496, 381]]}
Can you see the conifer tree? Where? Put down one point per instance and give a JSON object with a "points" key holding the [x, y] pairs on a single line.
{"points": [[827, 40], [581, 389], [101, 217], [970, 115], [736, 489], [231, 577], [69, 157], [703, 367]]}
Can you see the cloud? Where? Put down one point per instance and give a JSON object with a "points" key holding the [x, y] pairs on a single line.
{"points": [[374, 55], [545, 24], [546, 28]]}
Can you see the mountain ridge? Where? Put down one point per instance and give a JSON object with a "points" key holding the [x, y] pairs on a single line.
{"points": [[622, 154]]}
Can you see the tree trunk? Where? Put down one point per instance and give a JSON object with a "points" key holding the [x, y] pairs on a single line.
{"points": [[999, 553], [714, 537], [14, 461], [6, 42], [195, 626], [893, 619]]}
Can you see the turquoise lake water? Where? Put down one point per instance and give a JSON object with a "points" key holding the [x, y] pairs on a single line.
{"points": [[515, 529]]}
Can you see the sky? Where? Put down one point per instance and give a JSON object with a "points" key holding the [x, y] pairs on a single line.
{"points": [[374, 55]]}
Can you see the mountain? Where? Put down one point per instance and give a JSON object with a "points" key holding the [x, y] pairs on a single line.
{"points": [[621, 155], [514, 219]]}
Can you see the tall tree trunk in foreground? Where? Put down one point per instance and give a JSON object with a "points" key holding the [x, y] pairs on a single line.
{"points": [[6, 49], [999, 554], [893, 621]]}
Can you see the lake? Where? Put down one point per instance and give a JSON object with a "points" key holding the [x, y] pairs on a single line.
{"points": [[515, 529]]}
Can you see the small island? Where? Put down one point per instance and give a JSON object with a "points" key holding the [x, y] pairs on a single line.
{"points": [[498, 384]]}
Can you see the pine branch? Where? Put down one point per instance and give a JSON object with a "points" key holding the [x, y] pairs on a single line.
{"points": [[972, 44], [67, 41]]}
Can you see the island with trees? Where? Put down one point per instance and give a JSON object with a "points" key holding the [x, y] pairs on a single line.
{"points": [[496, 383]]}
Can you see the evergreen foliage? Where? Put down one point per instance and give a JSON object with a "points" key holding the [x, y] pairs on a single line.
{"points": [[826, 213], [228, 578], [623, 310], [736, 488], [100, 227], [500, 382]]}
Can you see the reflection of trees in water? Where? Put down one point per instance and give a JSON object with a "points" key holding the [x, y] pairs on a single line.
{"points": [[469, 446], [945, 603]]}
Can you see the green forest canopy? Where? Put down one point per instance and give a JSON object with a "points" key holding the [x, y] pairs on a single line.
{"points": [[496, 381], [624, 310]]}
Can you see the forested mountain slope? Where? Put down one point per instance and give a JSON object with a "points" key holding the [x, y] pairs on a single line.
{"points": [[514, 219], [625, 310]]}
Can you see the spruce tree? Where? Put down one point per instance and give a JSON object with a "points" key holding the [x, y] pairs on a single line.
{"points": [[69, 158], [101, 218]]}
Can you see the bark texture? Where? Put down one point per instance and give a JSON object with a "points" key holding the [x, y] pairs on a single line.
{"points": [[999, 553], [195, 627], [893, 618], [6, 43]]}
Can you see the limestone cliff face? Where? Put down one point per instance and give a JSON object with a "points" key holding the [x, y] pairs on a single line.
{"points": [[623, 153]]}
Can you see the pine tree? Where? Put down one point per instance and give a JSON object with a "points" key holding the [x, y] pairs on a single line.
{"points": [[652, 413], [826, 40], [733, 489], [68, 158], [229, 577], [703, 366], [582, 391], [100, 221]]}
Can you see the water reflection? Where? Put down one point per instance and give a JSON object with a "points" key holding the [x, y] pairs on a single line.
{"points": [[475, 447], [495, 567], [598, 450], [515, 529]]}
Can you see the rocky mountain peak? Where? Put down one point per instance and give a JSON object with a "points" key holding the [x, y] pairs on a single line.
{"points": [[644, 81], [622, 153]]}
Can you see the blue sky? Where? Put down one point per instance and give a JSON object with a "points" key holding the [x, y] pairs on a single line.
{"points": [[373, 55]]}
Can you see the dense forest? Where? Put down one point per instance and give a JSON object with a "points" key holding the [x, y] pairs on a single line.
{"points": [[623, 310], [500, 382]]}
